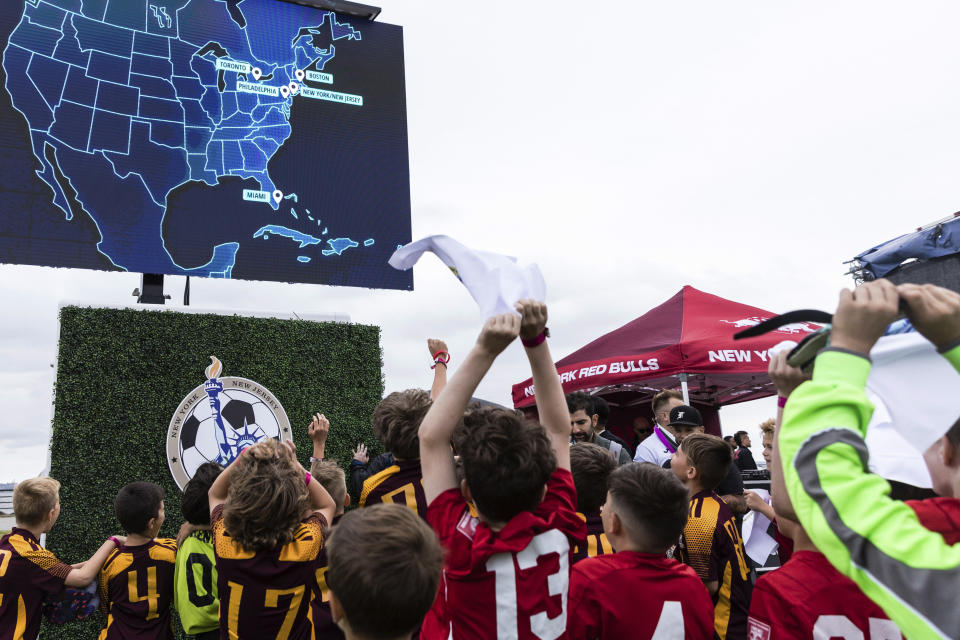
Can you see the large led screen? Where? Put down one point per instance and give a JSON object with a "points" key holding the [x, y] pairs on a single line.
{"points": [[253, 139]]}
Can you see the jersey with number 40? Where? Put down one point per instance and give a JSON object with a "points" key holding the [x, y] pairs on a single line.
{"points": [[510, 583]]}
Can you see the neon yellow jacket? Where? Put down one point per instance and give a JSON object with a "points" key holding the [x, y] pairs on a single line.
{"points": [[847, 511]]}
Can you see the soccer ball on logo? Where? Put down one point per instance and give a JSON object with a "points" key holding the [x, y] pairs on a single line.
{"points": [[246, 418]]}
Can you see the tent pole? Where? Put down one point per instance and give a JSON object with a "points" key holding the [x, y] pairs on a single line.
{"points": [[684, 388]]}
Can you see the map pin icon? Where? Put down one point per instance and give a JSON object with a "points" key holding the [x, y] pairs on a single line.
{"points": [[285, 91], [294, 88], [256, 73], [277, 196], [300, 75]]}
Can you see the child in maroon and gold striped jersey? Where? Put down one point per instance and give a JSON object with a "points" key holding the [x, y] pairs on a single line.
{"points": [[268, 521], [591, 466], [136, 581], [28, 572]]}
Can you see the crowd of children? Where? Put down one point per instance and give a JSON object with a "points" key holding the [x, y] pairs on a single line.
{"points": [[480, 523]]}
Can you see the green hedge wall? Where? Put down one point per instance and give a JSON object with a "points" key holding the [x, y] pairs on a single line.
{"points": [[122, 373]]}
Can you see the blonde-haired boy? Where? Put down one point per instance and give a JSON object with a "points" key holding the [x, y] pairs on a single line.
{"points": [[28, 572]]}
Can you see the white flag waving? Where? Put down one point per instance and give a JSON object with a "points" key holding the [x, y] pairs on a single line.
{"points": [[917, 386], [495, 281]]}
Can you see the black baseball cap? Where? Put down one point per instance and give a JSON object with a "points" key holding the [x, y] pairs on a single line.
{"points": [[685, 416]]}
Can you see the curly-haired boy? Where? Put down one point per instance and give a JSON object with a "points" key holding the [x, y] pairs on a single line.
{"points": [[264, 545]]}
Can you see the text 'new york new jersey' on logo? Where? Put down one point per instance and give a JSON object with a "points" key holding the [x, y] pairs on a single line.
{"points": [[219, 419]]}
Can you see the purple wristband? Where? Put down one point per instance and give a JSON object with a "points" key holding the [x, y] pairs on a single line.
{"points": [[781, 402], [115, 541], [536, 342], [306, 478]]}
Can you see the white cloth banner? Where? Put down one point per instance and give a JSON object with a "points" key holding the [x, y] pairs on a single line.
{"points": [[916, 395], [919, 390], [891, 455], [495, 281]]}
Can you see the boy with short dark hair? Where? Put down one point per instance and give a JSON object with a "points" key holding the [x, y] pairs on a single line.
{"points": [[384, 570], [265, 548], [28, 572], [711, 542], [506, 571], [591, 467], [644, 515], [136, 581], [195, 593]]}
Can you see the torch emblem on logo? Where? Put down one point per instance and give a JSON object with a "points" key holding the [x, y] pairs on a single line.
{"points": [[219, 419]]}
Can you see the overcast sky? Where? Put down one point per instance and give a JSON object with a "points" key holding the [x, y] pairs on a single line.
{"points": [[746, 149]]}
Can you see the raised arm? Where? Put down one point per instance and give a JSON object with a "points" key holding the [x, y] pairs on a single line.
{"points": [[320, 500], [436, 456], [318, 430], [217, 493], [551, 403], [847, 511], [441, 357]]}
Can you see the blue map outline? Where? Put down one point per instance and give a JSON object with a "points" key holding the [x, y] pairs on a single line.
{"points": [[81, 34]]}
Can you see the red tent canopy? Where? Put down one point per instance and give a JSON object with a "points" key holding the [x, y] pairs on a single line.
{"points": [[691, 333]]}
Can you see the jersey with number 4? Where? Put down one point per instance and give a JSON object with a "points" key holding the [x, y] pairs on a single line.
{"points": [[808, 598], [510, 583], [136, 588], [265, 595], [636, 595], [28, 572]]}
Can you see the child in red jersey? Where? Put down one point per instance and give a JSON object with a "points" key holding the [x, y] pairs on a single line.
{"points": [[711, 542], [136, 582], [384, 570], [268, 520], [28, 572], [506, 572], [943, 461], [808, 598], [591, 466], [638, 592]]}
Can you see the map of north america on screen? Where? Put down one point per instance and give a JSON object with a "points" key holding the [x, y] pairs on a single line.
{"points": [[220, 138]]}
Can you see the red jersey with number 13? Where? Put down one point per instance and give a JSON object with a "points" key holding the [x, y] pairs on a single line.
{"points": [[510, 583]]}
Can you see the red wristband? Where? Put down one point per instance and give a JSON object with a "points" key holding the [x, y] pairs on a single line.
{"points": [[306, 478], [439, 359], [540, 339], [781, 402]]}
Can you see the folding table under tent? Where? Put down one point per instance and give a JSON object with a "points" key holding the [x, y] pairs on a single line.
{"points": [[686, 340]]}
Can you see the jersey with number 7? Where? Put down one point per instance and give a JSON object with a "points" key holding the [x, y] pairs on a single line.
{"points": [[510, 583], [136, 588]]}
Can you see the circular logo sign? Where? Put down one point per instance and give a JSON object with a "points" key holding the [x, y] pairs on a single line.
{"points": [[220, 418]]}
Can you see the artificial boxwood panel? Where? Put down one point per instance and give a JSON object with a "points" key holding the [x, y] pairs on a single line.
{"points": [[122, 373]]}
